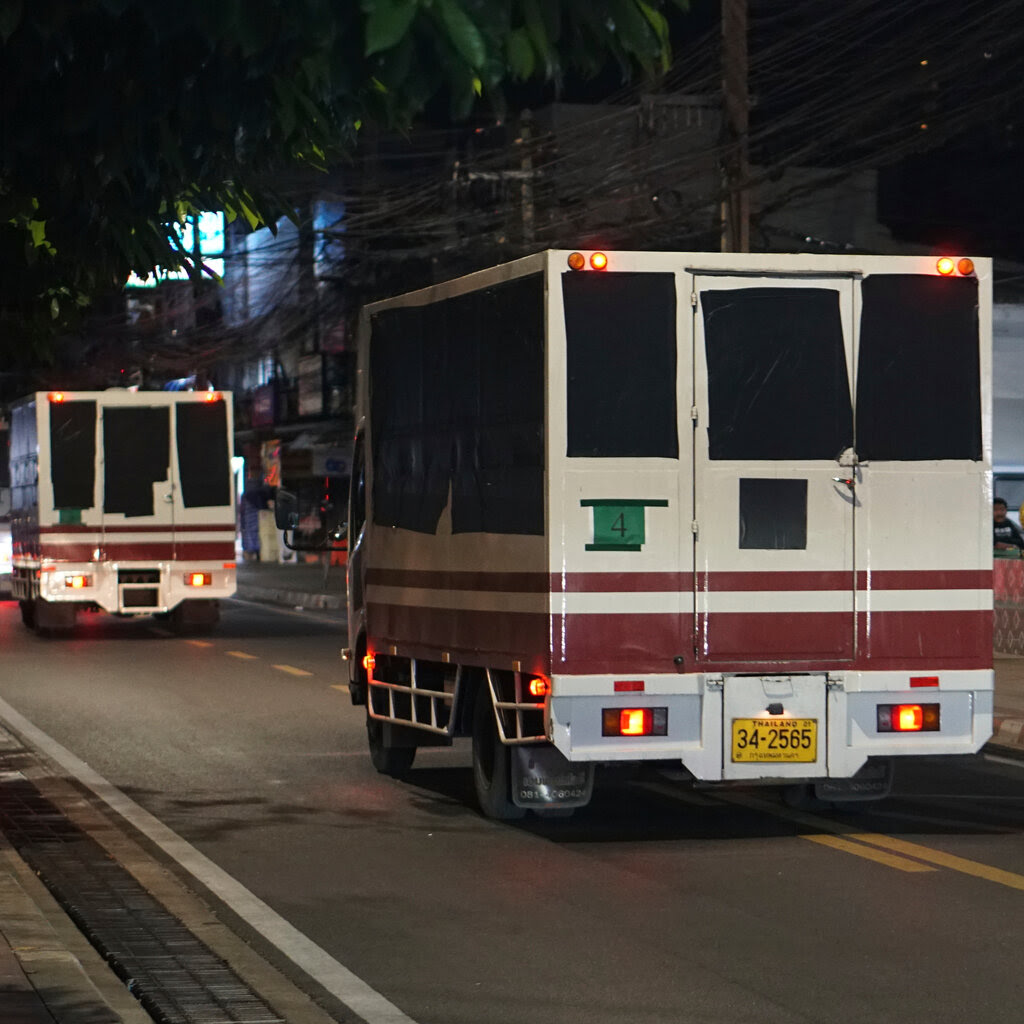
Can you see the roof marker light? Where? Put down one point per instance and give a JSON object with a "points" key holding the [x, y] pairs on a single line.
{"points": [[965, 266], [945, 266], [599, 261], [576, 261], [56, 396]]}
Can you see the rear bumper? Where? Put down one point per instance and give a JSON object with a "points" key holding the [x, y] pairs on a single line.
{"points": [[123, 588], [700, 714]]}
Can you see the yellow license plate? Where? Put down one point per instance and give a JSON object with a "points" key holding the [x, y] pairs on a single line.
{"points": [[778, 740]]}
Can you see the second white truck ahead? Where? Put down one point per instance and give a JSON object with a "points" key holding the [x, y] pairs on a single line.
{"points": [[122, 501]]}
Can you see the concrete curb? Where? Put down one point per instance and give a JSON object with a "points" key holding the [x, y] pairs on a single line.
{"points": [[291, 598], [1008, 735]]}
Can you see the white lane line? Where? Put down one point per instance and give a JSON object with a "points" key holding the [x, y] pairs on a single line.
{"points": [[359, 997]]}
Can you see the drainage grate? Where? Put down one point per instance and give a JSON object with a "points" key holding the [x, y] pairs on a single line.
{"points": [[173, 974]]}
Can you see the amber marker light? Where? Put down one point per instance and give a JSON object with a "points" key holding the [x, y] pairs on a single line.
{"points": [[965, 267], [538, 686], [576, 261], [599, 261], [945, 266], [212, 396], [198, 579], [56, 397], [369, 662]]}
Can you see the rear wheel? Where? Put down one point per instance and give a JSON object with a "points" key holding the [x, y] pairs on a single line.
{"points": [[387, 758], [492, 764], [28, 613]]}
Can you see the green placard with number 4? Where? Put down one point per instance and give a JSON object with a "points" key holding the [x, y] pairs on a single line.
{"points": [[619, 522]]}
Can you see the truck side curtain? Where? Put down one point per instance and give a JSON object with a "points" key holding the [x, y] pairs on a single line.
{"points": [[73, 454], [457, 405], [136, 454], [201, 432], [918, 382]]}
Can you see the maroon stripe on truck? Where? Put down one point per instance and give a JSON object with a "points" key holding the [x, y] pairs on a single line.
{"points": [[472, 637], [128, 551], [116, 528], [683, 582], [734, 641], [507, 582]]}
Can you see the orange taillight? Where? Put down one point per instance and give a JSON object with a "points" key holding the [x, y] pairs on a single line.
{"points": [[538, 686]]}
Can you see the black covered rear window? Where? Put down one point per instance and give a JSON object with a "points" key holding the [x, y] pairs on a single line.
{"points": [[202, 436], [777, 381], [73, 454], [918, 394], [457, 398], [136, 450], [621, 361]]}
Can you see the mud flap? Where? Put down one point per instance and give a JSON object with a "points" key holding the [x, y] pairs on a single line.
{"points": [[872, 782], [543, 778]]}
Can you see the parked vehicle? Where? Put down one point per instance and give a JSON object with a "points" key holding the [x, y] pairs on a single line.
{"points": [[664, 509], [122, 501]]}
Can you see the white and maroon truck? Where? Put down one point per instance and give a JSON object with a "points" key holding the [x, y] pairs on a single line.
{"points": [[725, 513], [122, 501]]}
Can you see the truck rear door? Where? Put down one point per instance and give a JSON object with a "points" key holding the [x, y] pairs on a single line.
{"points": [[774, 516], [138, 492], [774, 510]]}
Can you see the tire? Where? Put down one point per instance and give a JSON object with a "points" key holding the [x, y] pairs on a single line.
{"points": [[492, 764], [28, 613], [388, 760]]}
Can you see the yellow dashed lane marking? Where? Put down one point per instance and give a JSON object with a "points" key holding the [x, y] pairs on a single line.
{"points": [[199, 643], [945, 860], [869, 853], [242, 655], [292, 671], [338, 686], [844, 840]]}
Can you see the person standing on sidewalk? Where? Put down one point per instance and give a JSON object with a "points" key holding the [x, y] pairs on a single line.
{"points": [[1007, 539]]}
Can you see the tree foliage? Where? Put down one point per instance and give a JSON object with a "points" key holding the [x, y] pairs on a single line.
{"points": [[120, 117]]}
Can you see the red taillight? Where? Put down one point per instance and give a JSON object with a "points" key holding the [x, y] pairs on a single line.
{"points": [[634, 722], [198, 579], [908, 717]]}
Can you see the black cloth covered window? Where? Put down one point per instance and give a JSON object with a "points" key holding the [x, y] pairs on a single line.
{"points": [[457, 404], [202, 435], [773, 514], [918, 394], [777, 381], [136, 453], [73, 454], [621, 360]]}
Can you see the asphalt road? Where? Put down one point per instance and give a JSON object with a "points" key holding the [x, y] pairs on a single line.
{"points": [[655, 905]]}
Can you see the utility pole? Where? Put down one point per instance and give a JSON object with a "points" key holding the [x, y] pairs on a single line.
{"points": [[735, 128]]}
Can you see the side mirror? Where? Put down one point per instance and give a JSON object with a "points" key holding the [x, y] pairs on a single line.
{"points": [[286, 510]]}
